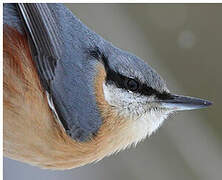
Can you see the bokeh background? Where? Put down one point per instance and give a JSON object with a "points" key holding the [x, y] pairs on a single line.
{"points": [[183, 42]]}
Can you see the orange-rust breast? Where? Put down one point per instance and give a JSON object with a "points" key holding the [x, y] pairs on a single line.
{"points": [[31, 134]]}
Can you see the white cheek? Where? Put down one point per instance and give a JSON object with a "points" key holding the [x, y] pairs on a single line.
{"points": [[109, 95], [144, 122], [115, 96], [123, 100]]}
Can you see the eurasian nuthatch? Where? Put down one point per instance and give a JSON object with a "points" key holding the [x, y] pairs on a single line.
{"points": [[71, 97]]}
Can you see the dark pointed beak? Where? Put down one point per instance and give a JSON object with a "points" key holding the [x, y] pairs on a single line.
{"points": [[179, 103]]}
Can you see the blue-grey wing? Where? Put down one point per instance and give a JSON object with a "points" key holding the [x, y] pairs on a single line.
{"points": [[44, 40], [60, 76]]}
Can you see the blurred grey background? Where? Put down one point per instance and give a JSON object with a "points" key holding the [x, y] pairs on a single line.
{"points": [[183, 42]]}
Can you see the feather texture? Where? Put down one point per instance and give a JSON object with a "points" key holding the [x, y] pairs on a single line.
{"points": [[31, 134]]}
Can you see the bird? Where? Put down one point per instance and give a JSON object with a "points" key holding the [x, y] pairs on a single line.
{"points": [[70, 97]]}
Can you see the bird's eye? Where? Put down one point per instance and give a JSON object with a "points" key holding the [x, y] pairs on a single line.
{"points": [[132, 85]]}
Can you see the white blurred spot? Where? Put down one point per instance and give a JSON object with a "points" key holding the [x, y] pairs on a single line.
{"points": [[186, 39]]}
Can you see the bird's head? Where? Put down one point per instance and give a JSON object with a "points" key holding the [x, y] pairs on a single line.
{"points": [[138, 93]]}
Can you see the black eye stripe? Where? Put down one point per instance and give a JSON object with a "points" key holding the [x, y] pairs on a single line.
{"points": [[143, 89], [119, 80]]}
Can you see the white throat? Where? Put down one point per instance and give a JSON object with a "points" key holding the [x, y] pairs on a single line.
{"points": [[145, 119]]}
